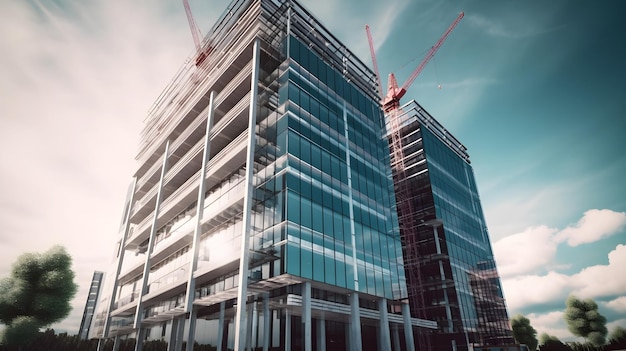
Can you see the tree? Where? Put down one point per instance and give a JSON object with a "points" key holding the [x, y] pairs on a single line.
{"points": [[37, 294], [551, 343], [523, 332], [617, 339], [584, 320], [619, 333]]}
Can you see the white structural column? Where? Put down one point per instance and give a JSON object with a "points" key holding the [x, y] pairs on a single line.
{"points": [[146, 267], [171, 345], [321, 334], [116, 343], [384, 337], [306, 315], [287, 330], [266, 321], [220, 327], [396, 338], [251, 325], [193, 315], [350, 201], [408, 329], [120, 261], [355, 323], [193, 263], [242, 293]]}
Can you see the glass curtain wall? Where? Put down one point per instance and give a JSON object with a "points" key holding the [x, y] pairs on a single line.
{"points": [[336, 186], [476, 303]]}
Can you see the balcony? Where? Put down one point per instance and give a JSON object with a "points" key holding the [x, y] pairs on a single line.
{"points": [[224, 163], [228, 128]]}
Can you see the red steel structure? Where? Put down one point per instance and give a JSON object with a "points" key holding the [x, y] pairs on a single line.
{"points": [[406, 211]]}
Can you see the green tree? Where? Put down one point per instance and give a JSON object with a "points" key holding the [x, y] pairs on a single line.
{"points": [[619, 333], [551, 343], [584, 320], [617, 339], [37, 294], [523, 332]]}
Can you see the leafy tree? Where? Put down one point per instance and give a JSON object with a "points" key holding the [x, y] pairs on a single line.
{"points": [[619, 333], [37, 294], [584, 320], [523, 332], [617, 339], [551, 343]]}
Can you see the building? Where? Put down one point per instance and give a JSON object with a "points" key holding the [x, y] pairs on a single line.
{"points": [[267, 154], [267, 157], [90, 305], [450, 268]]}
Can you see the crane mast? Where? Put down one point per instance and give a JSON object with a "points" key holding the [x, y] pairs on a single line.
{"points": [[405, 207], [195, 33]]}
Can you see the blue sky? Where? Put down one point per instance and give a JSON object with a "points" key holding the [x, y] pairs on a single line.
{"points": [[534, 89]]}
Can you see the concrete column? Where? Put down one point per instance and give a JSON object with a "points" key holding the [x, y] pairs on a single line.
{"points": [[408, 329], [306, 315], [350, 201], [180, 334], [321, 334], [396, 338], [225, 335], [251, 333], [287, 330], [120, 260], [191, 333], [195, 246], [242, 293], [355, 323], [383, 323], [146, 267], [220, 327], [141, 335], [266, 321], [116, 343], [171, 344]]}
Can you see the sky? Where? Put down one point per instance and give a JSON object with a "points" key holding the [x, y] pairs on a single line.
{"points": [[534, 89]]}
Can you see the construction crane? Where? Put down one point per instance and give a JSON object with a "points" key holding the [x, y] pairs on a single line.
{"points": [[392, 100], [196, 34], [407, 215]]}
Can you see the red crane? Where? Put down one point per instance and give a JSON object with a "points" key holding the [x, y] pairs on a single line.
{"points": [[392, 100], [407, 215], [196, 34]]}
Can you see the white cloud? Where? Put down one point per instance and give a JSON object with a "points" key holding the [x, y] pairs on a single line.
{"points": [[593, 226], [551, 323], [526, 251], [618, 304], [509, 28], [592, 282], [602, 280], [77, 82], [534, 249], [528, 290]]}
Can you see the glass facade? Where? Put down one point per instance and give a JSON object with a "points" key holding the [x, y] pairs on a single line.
{"points": [[328, 192], [457, 278]]}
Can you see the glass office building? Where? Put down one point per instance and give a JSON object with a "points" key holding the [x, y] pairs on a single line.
{"points": [[262, 212], [452, 277]]}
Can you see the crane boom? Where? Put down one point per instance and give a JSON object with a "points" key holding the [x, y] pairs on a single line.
{"points": [[195, 32], [430, 54], [374, 62]]}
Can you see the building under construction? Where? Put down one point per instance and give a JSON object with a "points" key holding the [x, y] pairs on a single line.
{"points": [[449, 264], [262, 214]]}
